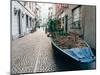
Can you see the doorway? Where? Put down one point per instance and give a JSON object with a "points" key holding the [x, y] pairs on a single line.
{"points": [[26, 20], [19, 22], [66, 23]]}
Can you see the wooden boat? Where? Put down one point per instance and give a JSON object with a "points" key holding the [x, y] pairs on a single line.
{"points": [[82, 55]]}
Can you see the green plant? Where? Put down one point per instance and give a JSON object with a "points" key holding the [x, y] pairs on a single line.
{"points": [[54, 28]]}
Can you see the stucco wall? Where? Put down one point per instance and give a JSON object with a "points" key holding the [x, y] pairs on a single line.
{"points": [[69, 13], [90, 25], [87, 21], [15, 25]]}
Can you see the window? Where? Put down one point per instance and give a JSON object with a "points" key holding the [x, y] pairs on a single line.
{"points": [[76, 17]]}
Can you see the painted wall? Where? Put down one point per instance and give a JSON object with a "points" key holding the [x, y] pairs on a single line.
{"points": [[15, 25], [87, 21], [90, 25], [69, 13]]}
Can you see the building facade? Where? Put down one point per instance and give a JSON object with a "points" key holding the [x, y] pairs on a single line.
{"points": [[52, 10], [79, 19], [61, 15], [22, 16], [37, 12]]}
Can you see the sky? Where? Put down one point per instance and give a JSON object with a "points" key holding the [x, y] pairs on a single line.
{"points": [[44, 10]]}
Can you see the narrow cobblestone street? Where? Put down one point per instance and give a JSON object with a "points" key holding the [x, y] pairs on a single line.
{"points": [[30, 51], [33, 53]]}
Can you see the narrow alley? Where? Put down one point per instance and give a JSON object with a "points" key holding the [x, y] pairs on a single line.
{"points": [[52, 37], [33, 53], [30, 51]]}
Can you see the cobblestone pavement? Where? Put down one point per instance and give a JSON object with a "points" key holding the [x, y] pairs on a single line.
{"points": [[33, 53]]}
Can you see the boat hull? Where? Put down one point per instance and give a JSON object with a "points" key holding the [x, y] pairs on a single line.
{"points": [[73, 55]]}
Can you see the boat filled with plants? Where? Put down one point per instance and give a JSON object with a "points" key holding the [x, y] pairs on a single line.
{"points": [[70, 44]]}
